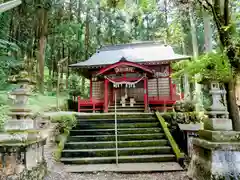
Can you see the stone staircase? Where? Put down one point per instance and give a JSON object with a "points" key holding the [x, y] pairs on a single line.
{"points": [[140, 140], [138, 107]]}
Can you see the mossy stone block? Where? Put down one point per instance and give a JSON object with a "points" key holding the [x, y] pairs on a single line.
{"points": [[220, 136]]}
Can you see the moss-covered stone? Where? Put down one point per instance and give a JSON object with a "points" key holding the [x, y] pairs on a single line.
{"points": [[171, 140], [220, 136], [214, 160], [112, 116], [231, 146], [13, 146], [36, 173]]}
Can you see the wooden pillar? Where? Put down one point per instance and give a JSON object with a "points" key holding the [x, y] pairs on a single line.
{"points": [[145, 95], [106, 96], [170, 82], [91, 89], [78, 102]]}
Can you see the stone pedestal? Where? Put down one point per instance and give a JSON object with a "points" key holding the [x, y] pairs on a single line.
{"points": [[216, 153], [215, 160]]}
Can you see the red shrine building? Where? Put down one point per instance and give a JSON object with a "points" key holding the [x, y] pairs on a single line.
{"points": [[135, 77]]}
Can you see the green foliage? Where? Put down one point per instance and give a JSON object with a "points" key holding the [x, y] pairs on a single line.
{"points": [[8, 65], [3, 116], [211, 67], [174, 118], [66, 122], [74, 85], [60, 145], [185, 106]]}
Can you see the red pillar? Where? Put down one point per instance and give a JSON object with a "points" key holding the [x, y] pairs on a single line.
{"points": [[91, 89], [170, 83], [145, 95], [106, 96]]}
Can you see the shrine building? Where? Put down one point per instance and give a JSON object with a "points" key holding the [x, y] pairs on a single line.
{"points": [[137, 75]]}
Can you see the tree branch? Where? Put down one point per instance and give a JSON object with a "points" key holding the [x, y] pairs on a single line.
{"points": [[204, 6]]}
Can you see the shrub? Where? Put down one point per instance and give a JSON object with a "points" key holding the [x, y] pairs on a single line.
{"points": [[185, 106], [175, 118], [65, 124]]}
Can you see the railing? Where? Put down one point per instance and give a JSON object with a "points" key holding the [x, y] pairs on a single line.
{"points": [[176, 150], [116, 133], [91, 104]]}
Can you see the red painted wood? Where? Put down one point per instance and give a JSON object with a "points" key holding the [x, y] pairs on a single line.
{"points": [[79, 98], [89, 104], [106, 95], [124, 63], [170, 83]]}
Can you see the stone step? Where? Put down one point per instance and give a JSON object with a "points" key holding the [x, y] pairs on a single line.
{"points": [[112, 115], [127, 106], [125, 167], [120, 125], [121, 159], [127, 109], [112, 131], [111, 144], [112, 120], [123, 137], [112, 151]]}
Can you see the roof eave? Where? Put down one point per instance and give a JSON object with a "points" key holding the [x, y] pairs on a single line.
{"points": [[143, 62]]}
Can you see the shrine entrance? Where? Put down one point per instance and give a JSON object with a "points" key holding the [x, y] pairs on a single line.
{"points": [[128, 93], [128, 81]]}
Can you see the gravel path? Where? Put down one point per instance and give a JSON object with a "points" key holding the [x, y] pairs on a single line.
{"points": [[56, 172]]}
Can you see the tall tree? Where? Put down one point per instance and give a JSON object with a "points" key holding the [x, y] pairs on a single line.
{"points": [[220, 11], [43, 8]]}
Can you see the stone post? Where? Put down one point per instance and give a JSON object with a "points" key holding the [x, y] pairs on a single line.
{"points": [[217, 150]]}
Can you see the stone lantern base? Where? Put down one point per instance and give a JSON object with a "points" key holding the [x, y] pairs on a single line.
{"points": [[216, 156]]}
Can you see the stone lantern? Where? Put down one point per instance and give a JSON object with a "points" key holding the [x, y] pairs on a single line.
{"points": [[20, 113], [217, 150], [218, 114], [21, 145]]}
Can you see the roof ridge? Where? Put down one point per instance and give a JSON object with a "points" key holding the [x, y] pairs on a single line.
{"points": [[131, 45]]}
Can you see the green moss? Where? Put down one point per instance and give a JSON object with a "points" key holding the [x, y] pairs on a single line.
{"points": [[172, 142], [32, 131], [60, 146], [18, 143]]}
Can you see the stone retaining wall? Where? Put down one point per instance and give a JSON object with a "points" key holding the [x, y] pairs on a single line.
{"points": [[36, 173]]}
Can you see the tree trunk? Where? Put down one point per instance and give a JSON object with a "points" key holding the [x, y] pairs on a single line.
{"points": [[166, 21], [86, 46], [232, 105], [99, 25], [43, 22], [197, 98], [207, 32]]}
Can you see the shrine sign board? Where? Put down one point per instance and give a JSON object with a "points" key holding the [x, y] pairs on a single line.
{"points": [[124, 69], [163, 73]]}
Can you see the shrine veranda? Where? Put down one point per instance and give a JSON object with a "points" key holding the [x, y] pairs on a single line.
{"points": [[139, 74]]}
